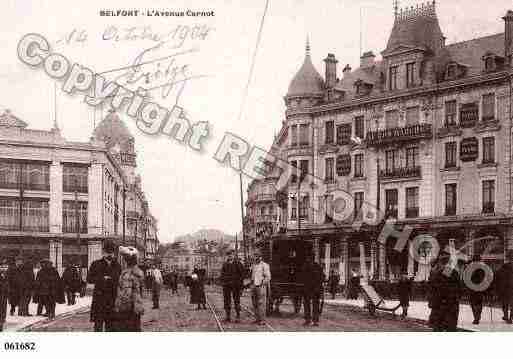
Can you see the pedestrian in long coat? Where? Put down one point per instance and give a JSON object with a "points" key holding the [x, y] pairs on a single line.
{"points": [[354, 285], [26, 281], [504, 287], [4, 293], [333, 282], [14, 279], [197, 286], [104, 274], [232, 276], [128, 305], [312, 279], [50, 290], [174, 281], [445, 293], [72, 283], [475, 297], [404, 290]]}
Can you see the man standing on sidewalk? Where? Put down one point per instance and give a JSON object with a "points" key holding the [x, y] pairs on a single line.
{"points": [[104, 274], [156, 283], [505, 287], [4, 292], [312, 278], [26, 286], [260, 279], [232, 275]]}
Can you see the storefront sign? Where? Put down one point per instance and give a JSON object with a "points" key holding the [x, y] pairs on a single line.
{"points": [[469, 148], [344, 165]]}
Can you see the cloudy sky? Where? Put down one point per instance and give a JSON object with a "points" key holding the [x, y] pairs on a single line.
{"points": [[189, 190]]}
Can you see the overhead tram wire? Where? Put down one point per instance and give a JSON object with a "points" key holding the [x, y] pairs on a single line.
{"points": [[241, 110], [253, 60]]}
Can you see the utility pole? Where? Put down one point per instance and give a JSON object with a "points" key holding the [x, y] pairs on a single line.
{"points": [[244, 246], [124, 214]]}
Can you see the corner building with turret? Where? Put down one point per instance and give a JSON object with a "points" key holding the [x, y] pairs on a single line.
{"points": [[423, 134]]}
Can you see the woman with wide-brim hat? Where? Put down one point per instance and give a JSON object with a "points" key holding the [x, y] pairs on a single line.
{"points": [[128, 306]]}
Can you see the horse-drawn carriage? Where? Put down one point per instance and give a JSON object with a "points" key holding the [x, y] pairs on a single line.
{"points": [[286, 257]]}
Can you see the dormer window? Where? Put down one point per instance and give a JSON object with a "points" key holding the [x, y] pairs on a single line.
{"points": [[362, 88], [455, 70], [410, 74], [452, 70], [392, 83], [492, 62], [489, 64]]}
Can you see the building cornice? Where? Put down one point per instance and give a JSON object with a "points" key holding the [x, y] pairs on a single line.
{"points": [[400, 95], [75, 146]]}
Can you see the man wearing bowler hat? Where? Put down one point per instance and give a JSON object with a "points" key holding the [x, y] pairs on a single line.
{"points": [[104, 274]]}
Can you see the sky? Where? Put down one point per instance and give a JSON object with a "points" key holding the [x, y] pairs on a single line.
{"points": [[188, 190]]}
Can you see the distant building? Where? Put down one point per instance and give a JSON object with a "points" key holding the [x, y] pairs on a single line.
{"points": [[181, 259], [60, 200]]}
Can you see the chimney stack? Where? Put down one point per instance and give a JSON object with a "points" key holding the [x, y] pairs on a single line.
{"points": [[331, 70], [367, 59], [508, 36]]}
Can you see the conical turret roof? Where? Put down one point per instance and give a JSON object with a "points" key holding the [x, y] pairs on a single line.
{"points": [[307, 80]]}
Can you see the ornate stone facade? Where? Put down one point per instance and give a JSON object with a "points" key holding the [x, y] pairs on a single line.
{"points": [[413, 154], [60, 199]]}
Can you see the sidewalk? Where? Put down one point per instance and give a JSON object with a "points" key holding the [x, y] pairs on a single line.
{"points": [[16, 323], [419, 310]]}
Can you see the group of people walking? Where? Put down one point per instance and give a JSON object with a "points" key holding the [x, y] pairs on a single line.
{"points": [[21, 283]]}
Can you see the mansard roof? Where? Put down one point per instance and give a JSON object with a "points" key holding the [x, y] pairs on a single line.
{"points": [[471, 52], [370, 75]]}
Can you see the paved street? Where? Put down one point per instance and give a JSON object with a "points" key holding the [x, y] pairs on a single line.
{"points": [[176, 314]]}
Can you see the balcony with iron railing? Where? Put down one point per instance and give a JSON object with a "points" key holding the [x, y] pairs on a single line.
{"points": [[400, 172], [263, 197], [412, 212], [449, 128], [391, 213], [303, 149], [489, 207], [266, 218], [399, 134], [450, 210]]}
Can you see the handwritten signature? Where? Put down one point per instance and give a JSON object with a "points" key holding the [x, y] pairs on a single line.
{"points": [[166, 73]]}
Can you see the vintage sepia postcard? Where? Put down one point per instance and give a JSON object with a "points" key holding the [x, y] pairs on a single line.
{"points": [[255, 166]]}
